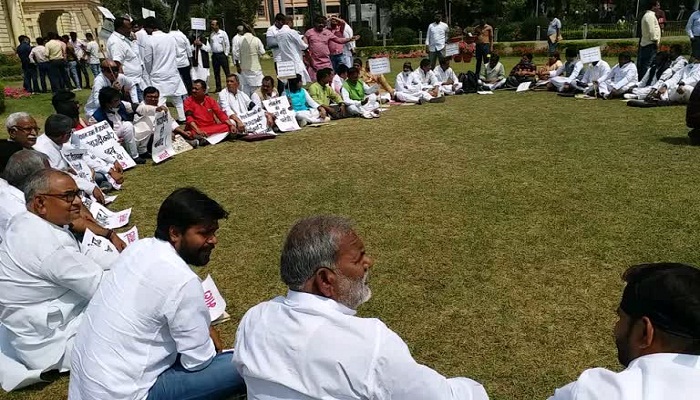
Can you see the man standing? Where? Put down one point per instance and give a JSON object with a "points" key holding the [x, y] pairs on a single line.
{"points": [[319, 38], [484, 44], [24, 49], [160, 58], [349, 47], [649, 40], [184, 53], [44, 289], [121, 50], [236, 47], [290, 47], [271, 39], [57, 62], [247, 53], [220, 45], [693, 30], [92, 49], [657, 336], [436, 39], [309, 344], [337, 27], [39, 58], [80, 53], [147, 331], [553, 32]]}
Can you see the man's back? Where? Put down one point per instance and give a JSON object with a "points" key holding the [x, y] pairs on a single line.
{"points": [[304, 346], [163, 49]]}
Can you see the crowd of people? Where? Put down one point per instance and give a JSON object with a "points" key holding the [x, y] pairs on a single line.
{"points": [[133, 324]]}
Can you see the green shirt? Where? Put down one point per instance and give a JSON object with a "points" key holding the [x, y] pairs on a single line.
{"points": [[356, 91], [324, 95]]}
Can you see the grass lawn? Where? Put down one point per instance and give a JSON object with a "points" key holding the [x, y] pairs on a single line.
{"points": [[499, 224]]}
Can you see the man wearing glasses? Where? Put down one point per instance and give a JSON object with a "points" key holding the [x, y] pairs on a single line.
{"points": [[108, 77], [44, 289], [22, 129]]}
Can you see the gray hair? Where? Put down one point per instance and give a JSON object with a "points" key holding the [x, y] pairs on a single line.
{"points": [[22, 164], [311, 244], [14, 118], [39, 182]]}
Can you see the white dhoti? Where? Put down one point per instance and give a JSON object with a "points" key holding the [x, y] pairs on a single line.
{"points": [[125, 133], [413, 97], [493, 86], [642, 93], [559, 82], [308, 117], [676, 97], [449, 90]]}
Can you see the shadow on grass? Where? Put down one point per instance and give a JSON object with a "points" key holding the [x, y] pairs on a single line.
{"points": [[676, 140]]}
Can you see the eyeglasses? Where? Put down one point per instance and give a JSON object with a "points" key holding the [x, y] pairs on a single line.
{"points": [[68, 197], [27, 130], [112, 70]]}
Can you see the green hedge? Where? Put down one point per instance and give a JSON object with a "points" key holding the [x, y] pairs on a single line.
{"points": [[9, 59], [10, 71]]}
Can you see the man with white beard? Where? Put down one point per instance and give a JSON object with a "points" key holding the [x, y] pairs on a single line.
{"points": [[161, 64], [310, 345]]}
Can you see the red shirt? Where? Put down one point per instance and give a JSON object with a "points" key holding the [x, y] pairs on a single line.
{"points": [[203, 114]]}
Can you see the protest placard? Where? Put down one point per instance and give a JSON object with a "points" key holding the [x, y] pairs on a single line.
{"points": [[76, 159], [217, 137], [198, 24], [129, 236], [213, 299], [180, 145], [523, 87], [285, 118], [589, 55], [451, 49], [286, 69], [378, 66], [145, 13], [162, 138], [90, 240], [105, 12], [102, 139], [107, 218], [110, 199], [255, 121]]}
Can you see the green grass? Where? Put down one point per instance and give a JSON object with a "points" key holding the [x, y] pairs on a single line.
{"points": [[499, 224]]}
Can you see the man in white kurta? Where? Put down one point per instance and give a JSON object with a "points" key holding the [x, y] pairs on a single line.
{"points": [[657, 336], [120, 49], [184, 53], [43, 289], [450, 84], [568, 73], [349, 47], [236, 45], [427, 79], [291, 46], [681, 85], [109, 76], [653, 79], [310, 344], [147, 330], [407, 87], [234, 102], [248, 53], [622, 78], [597, 72], [161, 64]]}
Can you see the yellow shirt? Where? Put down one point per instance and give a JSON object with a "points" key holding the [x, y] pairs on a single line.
{"points": [[54, 50]]}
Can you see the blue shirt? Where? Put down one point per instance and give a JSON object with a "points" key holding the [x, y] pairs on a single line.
{"points": [[693, 26]]}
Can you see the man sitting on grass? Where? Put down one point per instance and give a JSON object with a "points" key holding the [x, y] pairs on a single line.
{"points": [[144, 123], [524, 71], [659, 72], [235, 102], [310, 345], [571, 71], [114, 111], [408, 88], [204, 116], [494, 75], [657, 337], [681, 85], [357, 97], [325, 96], [597, 72], [307, 110], [266, 92], [623, 77], [385, 91], [447, 77], [429, 81]]}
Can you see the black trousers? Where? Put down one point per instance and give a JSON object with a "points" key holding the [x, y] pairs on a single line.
{"points": [[186, 78], [220, 61], [56, 72]]}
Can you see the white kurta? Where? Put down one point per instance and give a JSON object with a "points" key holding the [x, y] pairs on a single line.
{"points": [[408, 89], [271, 39], [595, 73], [306, 347], [349, 46], [290, 46], [11, 203], [184, 50], [621, 78], [101, 81], [250, 49], [652, 377], [447, 75], [428, 80], [236, 48], [121, 49], [234, 103], [558, 78], [58, 161], [147, 311], [43, 292], [689, 76], [160, 57], [649, 82]]}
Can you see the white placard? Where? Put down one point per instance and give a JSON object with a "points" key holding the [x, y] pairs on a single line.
{"points": [[107, 218], [110, 199], [180, 145], [102, 139], [90, 240], [162, 138], [217, 137], [145, 13], [286, 69], [524, 87], [255, 121], [378, 66], [76, 159], [105, 12], [129, 236], [590, 55], [198, 24], [484, 92], [285, 119], [451, 49], [213, 299]]}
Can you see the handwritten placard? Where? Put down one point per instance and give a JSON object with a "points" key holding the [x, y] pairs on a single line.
{"points": [[378, 66], [213, 299], [129, 236], [198, 24], [286, 69], [90, 240], [162, 138], [451, 49], [255, 121], [180, 145], [285, 118], [590, 55], [76, 159], [107, 218], [103, 141]]}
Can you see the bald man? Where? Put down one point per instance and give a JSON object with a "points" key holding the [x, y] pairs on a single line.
{"points": [[109, 76]]}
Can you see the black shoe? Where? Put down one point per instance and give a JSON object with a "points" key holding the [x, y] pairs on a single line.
{"points": [[139, 160], [440, 99]]}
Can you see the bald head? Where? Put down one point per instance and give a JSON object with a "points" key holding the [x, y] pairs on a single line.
{"points": [[22, 165]]}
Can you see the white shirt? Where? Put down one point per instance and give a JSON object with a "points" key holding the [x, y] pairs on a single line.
{"points": [[436, 36], [290, 46], [271, 39], [337, 83], [407, 83], [57, 161], [554, 25], [43, 290], [160, 58], [219, 42], [653, 377], [234, 103], [692, 28], [655, 81], [347, 34], [101, 81], [690, 75], [79, 47], [38, 55], [678, 64], [443, 76], [622, 76], [93, 50], [147, 311], [428, 80], [11, 203], [236, 47], [120, 48], [599, 72], [307, 347], [184, 50]]}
